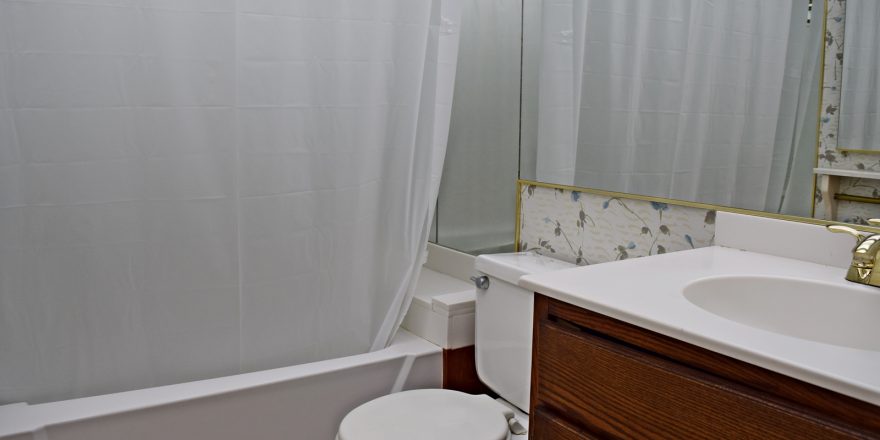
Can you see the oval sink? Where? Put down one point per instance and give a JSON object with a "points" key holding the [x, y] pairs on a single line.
{"points": [[847, 316]]}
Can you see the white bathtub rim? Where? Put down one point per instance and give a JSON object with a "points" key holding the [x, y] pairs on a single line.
{"points": [[22, 418]]}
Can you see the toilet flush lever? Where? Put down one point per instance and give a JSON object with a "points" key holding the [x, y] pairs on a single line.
{"points": [[481, 282]]}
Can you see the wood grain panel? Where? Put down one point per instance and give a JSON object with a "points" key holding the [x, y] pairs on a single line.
{"points": [[786, 388], [596, 374], [460, 372], [548, 426], [631, 395]]}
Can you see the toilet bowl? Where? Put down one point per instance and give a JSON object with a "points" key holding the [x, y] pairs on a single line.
{"points": [[503, 343]]}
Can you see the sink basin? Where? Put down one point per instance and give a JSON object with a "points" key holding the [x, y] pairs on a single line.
{"points": [[847, 316]]}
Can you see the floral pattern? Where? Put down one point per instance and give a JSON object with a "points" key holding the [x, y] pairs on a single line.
{"points": [[585, 228], [829, 155]]}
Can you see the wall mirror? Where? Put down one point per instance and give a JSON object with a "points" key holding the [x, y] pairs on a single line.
{"points": [[709, 102], [476, 204], [718, 103], [859, 127]]}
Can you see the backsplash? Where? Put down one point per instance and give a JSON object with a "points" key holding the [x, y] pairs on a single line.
{"points": [[586, 228], [829, 155]]}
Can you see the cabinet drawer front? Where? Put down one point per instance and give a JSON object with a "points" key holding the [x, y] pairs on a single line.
{"points": [[547, 426], [620, 391]]}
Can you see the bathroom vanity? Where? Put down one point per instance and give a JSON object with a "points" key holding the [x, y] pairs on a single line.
{"points": [[729, 341], [595, 377]]}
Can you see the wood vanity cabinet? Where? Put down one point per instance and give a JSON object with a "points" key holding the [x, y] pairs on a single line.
{"points": [[597, 377]]}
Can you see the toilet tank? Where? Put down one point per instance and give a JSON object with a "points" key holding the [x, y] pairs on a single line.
{"points": [[504, 323]]}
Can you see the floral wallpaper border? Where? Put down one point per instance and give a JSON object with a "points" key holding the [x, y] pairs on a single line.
{"points": [[586, 228], [829, 156]]}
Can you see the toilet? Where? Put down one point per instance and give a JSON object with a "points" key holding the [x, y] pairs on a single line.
{"points": [[503, 356]]}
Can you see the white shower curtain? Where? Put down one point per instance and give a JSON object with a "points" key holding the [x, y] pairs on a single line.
{"points": [[560, 87], [689, 99], [194, 188], [860, 91]]}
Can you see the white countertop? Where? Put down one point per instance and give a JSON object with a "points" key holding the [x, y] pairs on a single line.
{"points": [[647, 292]]}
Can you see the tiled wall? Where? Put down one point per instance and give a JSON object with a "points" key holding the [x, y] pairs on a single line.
{"points": [[829, 155], [586, 228]]}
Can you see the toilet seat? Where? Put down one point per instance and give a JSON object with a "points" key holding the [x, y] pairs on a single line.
{"points": [[432, 414]]}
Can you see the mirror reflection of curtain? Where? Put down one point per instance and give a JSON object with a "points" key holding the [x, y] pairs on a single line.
{"points": [[860, 97], [688, 99], [790, 190], [563, 28], [483, 132]]}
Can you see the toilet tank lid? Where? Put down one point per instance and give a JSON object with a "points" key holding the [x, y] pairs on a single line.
{"points": [[511, 266]]}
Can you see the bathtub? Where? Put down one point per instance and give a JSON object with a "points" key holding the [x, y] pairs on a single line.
{"points": [[299, 402]]}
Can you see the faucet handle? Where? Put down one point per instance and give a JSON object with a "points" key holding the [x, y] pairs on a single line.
{"points": [[847, 230]]}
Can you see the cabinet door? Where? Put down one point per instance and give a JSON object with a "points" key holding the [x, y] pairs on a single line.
{"points": [[617, 390]]}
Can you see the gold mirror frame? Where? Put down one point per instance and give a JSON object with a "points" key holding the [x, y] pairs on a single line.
{"points": [[856, 150]]}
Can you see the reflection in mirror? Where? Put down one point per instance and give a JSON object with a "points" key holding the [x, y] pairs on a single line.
{"points": [[476, 202], [711, 102], [860, 92]]}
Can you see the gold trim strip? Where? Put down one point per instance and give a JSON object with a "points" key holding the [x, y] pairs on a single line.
{"points": [[685, 203], [516, 233], [854, 150], [860, 199]]}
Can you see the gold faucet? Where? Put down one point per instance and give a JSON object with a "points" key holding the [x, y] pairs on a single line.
{"points": [[865, 255]]}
